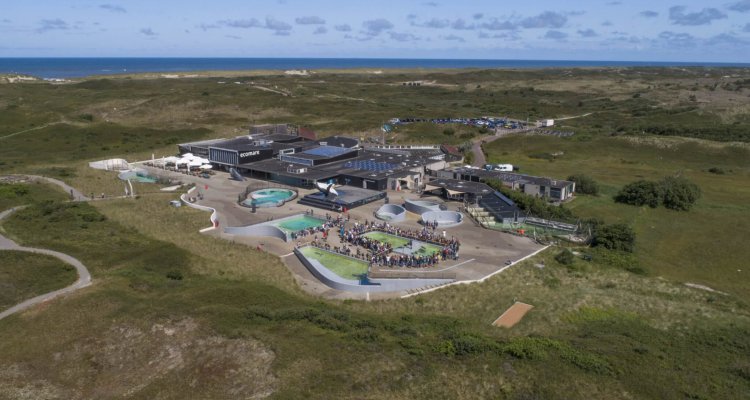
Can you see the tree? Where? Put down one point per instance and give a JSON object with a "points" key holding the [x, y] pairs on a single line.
{"points": [[679, 193], [585, 184], [615, 237], [640, 193]]}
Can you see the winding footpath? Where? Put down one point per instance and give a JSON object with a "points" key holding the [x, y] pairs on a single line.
{"points": [[84, 277]]}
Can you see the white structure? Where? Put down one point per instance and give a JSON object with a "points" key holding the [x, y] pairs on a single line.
{"points": [[113, 164], [326, 188], [548, 122]]}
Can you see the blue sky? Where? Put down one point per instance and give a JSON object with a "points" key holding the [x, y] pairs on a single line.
{"points": [[585, 30]]}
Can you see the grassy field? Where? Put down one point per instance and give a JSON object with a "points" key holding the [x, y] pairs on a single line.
{"points": [[176, 314], [704, 245], [18, 194], [344, 267], [604, 329], [24, 275]]}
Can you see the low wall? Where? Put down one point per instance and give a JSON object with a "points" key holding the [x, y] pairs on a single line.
{"points": [[444, 218], [257, 230], [421, 206], [391, 212], [214, 218], [334, 281]]}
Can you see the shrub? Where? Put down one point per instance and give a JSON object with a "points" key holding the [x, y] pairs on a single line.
{"points": [[174, 275], [565, 257], [679, 193], [716, 170], [615, 237], [640, 193], [585, 184], [448, 132]]}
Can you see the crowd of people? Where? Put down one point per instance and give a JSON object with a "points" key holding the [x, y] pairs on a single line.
{"points": [[425, 234], [329, 223], [380, 252], [383, 258]]}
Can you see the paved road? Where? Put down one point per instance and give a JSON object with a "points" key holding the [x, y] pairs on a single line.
{"points": [[476, 148], [84, 277]]}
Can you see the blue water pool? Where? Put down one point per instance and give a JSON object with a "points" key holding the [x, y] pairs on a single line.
{"points": [[269, 197], [298, 223]]}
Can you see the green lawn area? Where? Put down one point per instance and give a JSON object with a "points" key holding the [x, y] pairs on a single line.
{"points": [[398, 241], [427, 249], [345, 267], [393, 240], [25, 275]]}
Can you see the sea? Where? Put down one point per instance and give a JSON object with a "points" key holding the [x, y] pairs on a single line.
{"points": [[62, 68]]}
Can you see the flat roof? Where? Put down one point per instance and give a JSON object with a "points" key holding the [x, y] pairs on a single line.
{"points": [[461, 186], [327, 151], [513, 177]]}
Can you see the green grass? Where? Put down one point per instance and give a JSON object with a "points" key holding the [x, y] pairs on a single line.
{"points": [[65, 143], [398, 241], [25, 275], [345, 267], [18, 194], [703, 245], [445, 333], [393, 240], [239, 326]]}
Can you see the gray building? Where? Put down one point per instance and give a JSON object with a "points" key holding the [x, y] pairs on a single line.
{"points": [[556, 190]]}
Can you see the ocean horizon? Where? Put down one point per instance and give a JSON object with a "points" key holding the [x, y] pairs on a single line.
{"points": [[80, 67]]}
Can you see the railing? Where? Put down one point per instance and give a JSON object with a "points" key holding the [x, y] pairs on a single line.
{"points": [[399, 274]]}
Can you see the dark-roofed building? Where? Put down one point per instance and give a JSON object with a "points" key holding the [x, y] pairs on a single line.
{"points": [[198, 148], [552, 189], [454, 189], [245, 149], [339, 141], [503, 209]]}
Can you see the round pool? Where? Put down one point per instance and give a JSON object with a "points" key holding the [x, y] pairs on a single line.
{"points": [[421, 206], [272, 197], [138, 175], [391, 212], [443, 218]]}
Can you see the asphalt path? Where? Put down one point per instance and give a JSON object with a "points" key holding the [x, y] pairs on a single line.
{"points": [[84, 276]]}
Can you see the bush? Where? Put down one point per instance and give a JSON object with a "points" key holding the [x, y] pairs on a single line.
{"points": [[174, 275], [565, 257], [675, 193], [585, 184], [615, 237], [640, 193], [448, 132], [716, 170], [679, 193]]}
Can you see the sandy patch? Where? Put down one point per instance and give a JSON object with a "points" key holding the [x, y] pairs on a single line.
{"points": [[513, 315]]}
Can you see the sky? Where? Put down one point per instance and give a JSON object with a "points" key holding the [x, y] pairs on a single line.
{"points": [[624, 30]]}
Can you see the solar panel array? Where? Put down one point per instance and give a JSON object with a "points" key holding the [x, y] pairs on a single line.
{"points": [[327, 151], [370, 165]]}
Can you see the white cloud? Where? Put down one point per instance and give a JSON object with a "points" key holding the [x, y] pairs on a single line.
{"points": [[311, 20]]}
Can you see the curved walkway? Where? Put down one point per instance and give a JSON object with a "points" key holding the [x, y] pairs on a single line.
{"points": [[76, 194], [84, 277]]}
